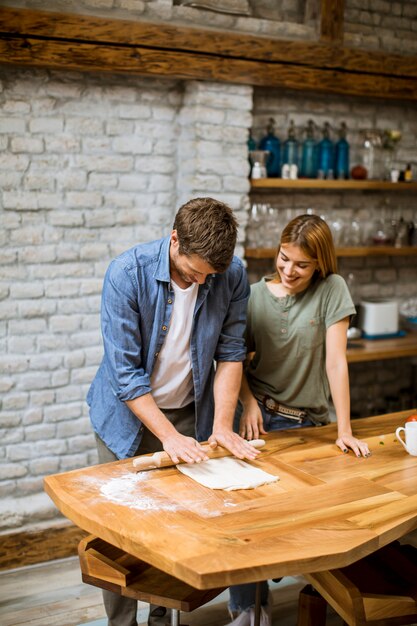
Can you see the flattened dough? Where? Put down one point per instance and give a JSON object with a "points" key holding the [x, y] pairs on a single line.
{"points": [[226, 473]]}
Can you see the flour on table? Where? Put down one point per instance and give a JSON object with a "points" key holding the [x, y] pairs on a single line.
{"points": [[226, 473]]}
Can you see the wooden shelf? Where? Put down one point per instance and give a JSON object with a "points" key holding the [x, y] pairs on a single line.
{"points": [[336, 185], [357, 251], [361, 350]]}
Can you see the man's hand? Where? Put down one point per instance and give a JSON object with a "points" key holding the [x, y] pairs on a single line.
{"points": [[181, 448], [234, 443]]}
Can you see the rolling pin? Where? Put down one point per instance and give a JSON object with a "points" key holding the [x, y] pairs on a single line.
{"points": [[162, 459]]}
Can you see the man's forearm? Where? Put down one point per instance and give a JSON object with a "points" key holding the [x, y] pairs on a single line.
{"points": [[151, 416]]}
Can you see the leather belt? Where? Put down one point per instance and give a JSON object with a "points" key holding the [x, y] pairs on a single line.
{"points": [[289, 412]]}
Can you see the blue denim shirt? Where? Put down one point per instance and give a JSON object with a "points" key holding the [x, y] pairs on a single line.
{"points": [[136, 309]]}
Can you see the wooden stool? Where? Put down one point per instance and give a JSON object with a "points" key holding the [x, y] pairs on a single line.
{"points": [[108, 567], [380, 589]]}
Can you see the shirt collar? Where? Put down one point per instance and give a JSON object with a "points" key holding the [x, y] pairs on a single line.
{"points": [[162, 268]]}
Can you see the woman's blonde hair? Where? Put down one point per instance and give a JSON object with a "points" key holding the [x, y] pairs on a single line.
{"points": [[313, 236]]}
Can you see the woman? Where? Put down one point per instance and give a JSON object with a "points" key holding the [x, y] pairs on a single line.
{"points": [[297, 334]]}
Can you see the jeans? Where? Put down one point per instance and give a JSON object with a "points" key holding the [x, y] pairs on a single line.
{"points": [[242, 597]]}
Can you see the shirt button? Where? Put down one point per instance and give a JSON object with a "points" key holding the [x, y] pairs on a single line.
{"points": [[169, 301], [164, 327], [283, 330], [156, 354]]}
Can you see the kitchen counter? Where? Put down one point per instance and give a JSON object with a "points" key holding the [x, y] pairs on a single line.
{"points": [[360, 350]]}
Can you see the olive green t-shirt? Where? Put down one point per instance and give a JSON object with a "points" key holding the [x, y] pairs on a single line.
{"points": [[288, 336]]}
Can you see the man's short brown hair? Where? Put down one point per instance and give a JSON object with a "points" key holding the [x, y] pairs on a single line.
{"points": [[207, 228]]}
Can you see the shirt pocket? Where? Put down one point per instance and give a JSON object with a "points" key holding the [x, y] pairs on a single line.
{"points": [[311, 335]]}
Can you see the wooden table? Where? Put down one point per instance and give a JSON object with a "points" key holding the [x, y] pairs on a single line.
{"points": [[328, 509]]}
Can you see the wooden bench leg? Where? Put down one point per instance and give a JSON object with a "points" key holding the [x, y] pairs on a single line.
{"points": [[312, 608]]}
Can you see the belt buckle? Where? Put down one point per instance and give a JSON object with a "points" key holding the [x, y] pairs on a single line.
{"points": [[269, 404]]}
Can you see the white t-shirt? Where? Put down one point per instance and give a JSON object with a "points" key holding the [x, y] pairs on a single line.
{"points": [[172, 379]]}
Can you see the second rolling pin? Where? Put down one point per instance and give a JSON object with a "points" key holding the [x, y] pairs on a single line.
{"points": [[162, 459]]}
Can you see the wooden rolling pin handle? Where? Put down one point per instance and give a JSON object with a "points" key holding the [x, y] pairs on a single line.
{"points": [[162, 459]]}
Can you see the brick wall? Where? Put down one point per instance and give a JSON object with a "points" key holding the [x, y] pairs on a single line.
{"points": [[89, 166]]}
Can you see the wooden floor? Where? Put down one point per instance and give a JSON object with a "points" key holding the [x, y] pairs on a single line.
{"points": [[52, 594]]}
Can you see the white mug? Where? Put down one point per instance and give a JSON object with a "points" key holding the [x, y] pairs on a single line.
{"points": [[410, 443]]}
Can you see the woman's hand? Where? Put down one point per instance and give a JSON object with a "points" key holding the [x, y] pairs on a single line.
{"points": [[360, 448], [251, 424]]}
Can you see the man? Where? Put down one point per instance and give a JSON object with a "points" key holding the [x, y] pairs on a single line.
{"points": [[171, 309]]}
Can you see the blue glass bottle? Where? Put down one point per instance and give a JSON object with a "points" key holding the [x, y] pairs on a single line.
{"points": [[271, 143], [325, 154], [309, 153], [341, 158], [290, 155]]}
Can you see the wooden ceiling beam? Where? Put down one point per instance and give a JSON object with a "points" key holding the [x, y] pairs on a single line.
{"points": [[332, 21], [86, 43]]}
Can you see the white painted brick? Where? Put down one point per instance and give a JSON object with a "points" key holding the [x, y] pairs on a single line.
{"points": [[44, 466], [46, 125], [134, 111], [102, 181], [39, 432], [15, 401], [42, 398], [110, 164], [72, 461], [160, 183], [10, 419], [34, 381], [83, 375], [20, 452], [79, 126], [16, 106], [12, 470], [12, 125], [68, 219], [26, 486], [132, 144], [64, 323], [22, 345], [81, 340], [32, 416], [69, 179], [13, 162], [20, 291], [61, 289], [81, 443], [106, 217], [26, 144], [120, 201], [96, 145], [119, 127], [27, 327], [68, 411], [69, 393], [84, 199], [133, 182], [31, 254], [62, 144]]}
